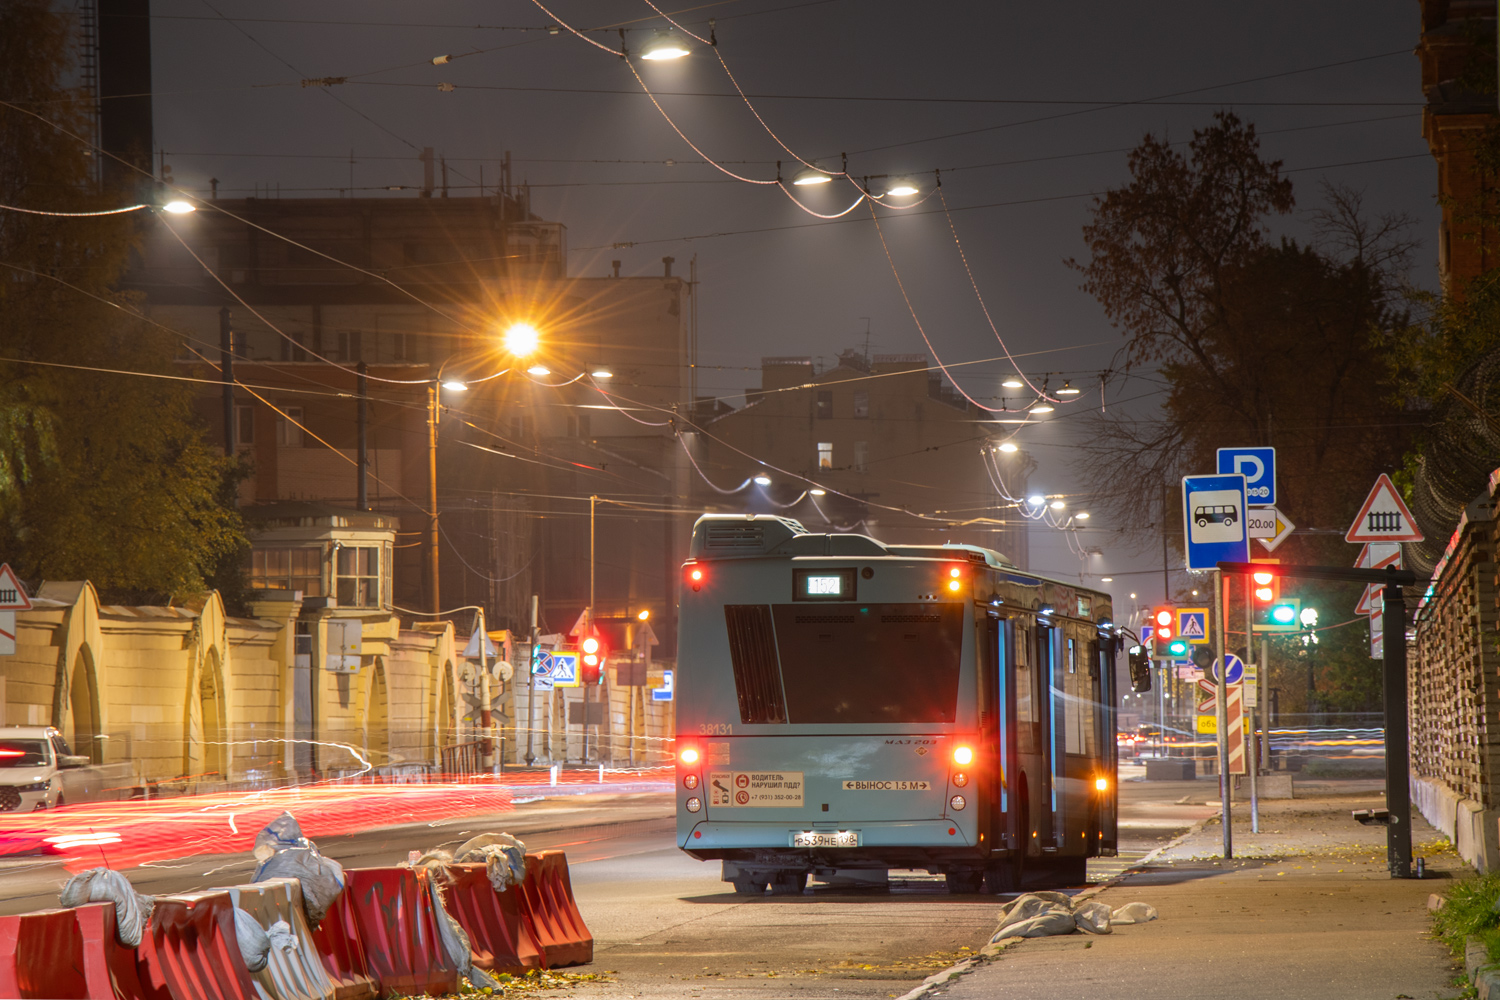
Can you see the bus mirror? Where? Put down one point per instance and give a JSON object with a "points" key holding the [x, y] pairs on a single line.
{"points": [[1140, 669]]}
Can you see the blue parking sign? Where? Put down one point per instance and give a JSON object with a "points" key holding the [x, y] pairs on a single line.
{"points": [[1258, 466], [1213, 513]]}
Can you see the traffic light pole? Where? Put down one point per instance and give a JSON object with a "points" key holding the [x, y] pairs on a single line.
{"points": [[1252, 748], [1397, 726]]}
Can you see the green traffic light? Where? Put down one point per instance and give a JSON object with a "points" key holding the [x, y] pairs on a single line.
{"points": [[1283, 614], [1178, 647]]}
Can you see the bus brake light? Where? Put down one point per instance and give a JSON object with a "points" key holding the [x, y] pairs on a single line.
{"points": [[689, 755], [963, 755], [695, 577]]}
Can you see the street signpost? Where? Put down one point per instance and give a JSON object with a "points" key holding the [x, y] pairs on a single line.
{"points": [[1214, 514], [1383, 517], [1262, 522], [663, 693], [1258, 466], [1236, 669]]}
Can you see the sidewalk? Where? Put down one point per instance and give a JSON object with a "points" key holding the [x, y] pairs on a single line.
{"points": [[1305, 910]]}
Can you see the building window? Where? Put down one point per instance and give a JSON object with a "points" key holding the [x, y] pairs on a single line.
{"points": [[861, 404], [825, 454], [399, 347], [288, 434], [292, 350], [348, 348], [288, 569], [357, 583], [244, 425], [825, 405], [861, 455]]}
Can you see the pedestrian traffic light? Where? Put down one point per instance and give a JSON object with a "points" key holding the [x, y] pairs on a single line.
{"points": [[1164, 633]]}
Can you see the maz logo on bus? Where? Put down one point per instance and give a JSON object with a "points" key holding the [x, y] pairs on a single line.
{"points": [[906, 742]]}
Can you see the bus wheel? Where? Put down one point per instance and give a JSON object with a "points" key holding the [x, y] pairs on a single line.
{"points": [[750, 885], [786, 883], [1005, 876], [965, 880]]}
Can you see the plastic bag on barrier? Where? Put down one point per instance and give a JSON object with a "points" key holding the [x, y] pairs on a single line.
{"points": [[104, 885], [503, 855], [256, 942], [284, 853], [455, 938]]}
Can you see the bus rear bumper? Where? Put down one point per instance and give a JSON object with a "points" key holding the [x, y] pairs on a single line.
{"points": [[711, 840]]}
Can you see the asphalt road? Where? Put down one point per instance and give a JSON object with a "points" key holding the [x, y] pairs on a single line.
{"points": [[666, 926]]}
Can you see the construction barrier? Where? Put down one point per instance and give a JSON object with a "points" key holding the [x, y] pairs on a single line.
{"points": [[389, 912], [190, 950], [499, 940], [551, 915], [291, 973], [66, 954], [343, 954]]}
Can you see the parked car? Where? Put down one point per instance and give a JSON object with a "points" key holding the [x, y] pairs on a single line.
{"points": [[32, 759]]}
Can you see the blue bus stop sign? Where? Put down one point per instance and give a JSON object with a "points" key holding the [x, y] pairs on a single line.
{"points": [[1213, 513]]}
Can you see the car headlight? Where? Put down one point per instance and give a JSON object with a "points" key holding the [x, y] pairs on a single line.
{"points": [[35, 786]]}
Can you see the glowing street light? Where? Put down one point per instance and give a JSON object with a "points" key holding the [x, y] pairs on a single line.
{"points": [[901, 188], [1057, 505], [455, 385], [522, 339], [1036, 500], [818, 493], [1068, 390], [1012, 383], [602, 373], [809, 176], [663, 47], [539, 370], [762, 480], [1082, 515], [1008, 447], [179, 207], [1042, 408]]}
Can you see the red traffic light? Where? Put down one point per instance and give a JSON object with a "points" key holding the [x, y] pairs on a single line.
{"points": [[1163, 623]]}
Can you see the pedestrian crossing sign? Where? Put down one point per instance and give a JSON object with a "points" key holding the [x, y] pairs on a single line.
{"points": [[1192, 624]]}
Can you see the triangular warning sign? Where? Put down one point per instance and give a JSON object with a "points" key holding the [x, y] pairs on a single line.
{"points": [[12, 594], [1371, 601], [1383, 517]]}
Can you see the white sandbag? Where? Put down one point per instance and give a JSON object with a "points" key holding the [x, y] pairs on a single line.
{"points": [[1034, 904], [503, 856], [283, 852], [103, 885], [1092, 917], [1134, 913], [255, 943], [1054, 921]]}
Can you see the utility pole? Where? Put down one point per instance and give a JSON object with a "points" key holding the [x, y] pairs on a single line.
{"points": [[433, 601], [226, 375], [588, 630], [1166, 582], [362, 454], [1221, 710]]}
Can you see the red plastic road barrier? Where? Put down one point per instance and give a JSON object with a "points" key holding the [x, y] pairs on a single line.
{"points": [[191, 951], [390, 911], [551, 914], [343, 954], [499, 940], [66, 954]]}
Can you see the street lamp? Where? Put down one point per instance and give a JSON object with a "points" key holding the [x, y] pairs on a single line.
{"points": [[901, 188], [762, 480], [179, 207], [663, 46], [521, 339], [810, 176]]}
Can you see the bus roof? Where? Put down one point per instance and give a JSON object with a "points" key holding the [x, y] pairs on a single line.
{"points": [[738, 536]]}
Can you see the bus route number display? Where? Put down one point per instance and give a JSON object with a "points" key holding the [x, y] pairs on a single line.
{"points": [[765, 789], [823, 585]]}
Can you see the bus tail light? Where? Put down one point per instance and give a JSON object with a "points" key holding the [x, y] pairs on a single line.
{"points": [[688, 755], [963, 756], [693, 575]]}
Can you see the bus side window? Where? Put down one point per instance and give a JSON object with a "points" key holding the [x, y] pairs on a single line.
{"points": [[1076, 700], [1026, 717]]}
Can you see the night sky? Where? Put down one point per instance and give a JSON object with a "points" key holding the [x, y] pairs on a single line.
{"points": [[887, 83]]}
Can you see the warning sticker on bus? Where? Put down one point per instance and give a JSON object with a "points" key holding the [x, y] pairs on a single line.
{"points": [[774, 789], [887, 786]]}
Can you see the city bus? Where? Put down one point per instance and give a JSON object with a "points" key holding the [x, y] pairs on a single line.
{"points": [[847, 707]]}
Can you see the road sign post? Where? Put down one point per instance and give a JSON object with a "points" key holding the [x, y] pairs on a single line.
{"points": [[1221, 716]]}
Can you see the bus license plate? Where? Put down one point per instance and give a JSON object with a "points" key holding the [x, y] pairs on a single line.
{"points": [[825, 838]]}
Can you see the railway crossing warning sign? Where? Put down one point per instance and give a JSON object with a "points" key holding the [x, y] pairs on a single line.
{"points": [[12, 599], [1383, 517]]}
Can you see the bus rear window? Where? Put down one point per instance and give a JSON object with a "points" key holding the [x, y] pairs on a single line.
{"points": [[870, 663]]}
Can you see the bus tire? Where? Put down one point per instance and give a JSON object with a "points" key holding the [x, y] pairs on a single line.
{"points": [[1063, 873], [965, 881], [1005, 876], [786, 883], [753, 885]]}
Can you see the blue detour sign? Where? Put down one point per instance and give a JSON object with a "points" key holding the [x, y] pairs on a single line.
{"points": [[1213, 511], [1258, 466]]}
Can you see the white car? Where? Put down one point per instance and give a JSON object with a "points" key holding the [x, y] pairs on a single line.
{"points": [[31, 759]]}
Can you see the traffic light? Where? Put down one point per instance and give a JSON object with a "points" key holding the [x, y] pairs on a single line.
{"points": [[1266, 589], [1140, 669], [591, 670], [1280, 615], [1164, 633]]}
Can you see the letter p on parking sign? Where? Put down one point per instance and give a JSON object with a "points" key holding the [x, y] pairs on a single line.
{"points": [[1258, 466]]}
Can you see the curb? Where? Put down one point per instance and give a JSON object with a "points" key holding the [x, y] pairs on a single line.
{"points": [[992, 950], [1484, 976]]}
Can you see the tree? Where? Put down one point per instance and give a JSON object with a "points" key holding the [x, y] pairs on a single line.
{"points": [[1254, 342], [104, 472]]}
